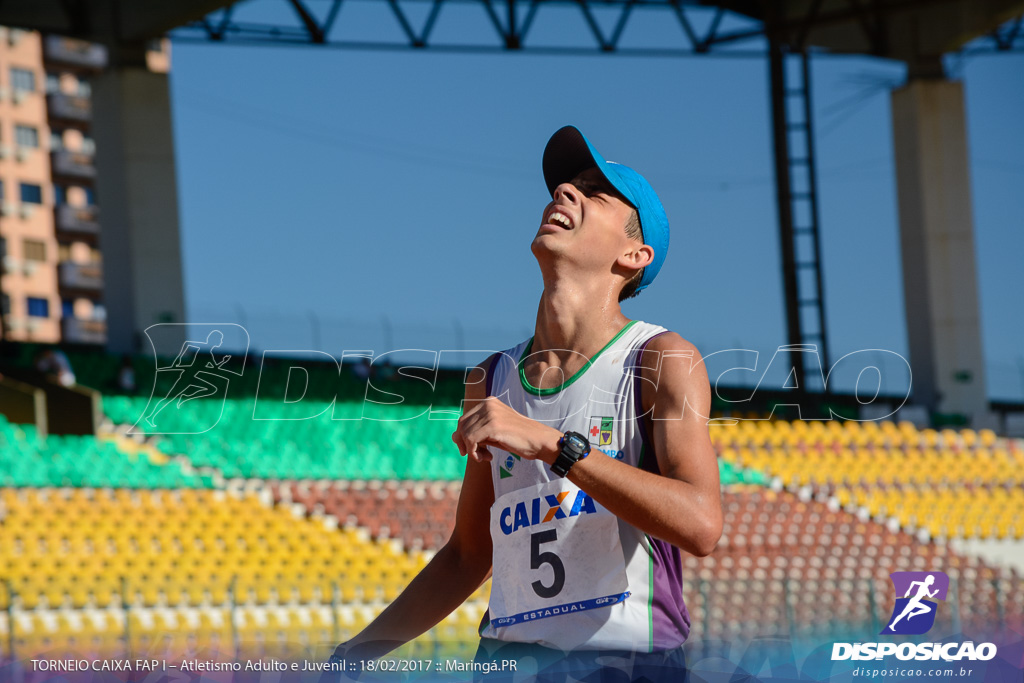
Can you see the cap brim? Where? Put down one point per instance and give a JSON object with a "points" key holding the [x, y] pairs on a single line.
{"points": [[567, 154]]}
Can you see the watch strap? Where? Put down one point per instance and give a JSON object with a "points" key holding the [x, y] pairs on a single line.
{"points": [[573, 448]]}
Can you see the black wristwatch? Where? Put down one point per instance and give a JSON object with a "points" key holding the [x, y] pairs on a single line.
{"points": [[574, 447]]}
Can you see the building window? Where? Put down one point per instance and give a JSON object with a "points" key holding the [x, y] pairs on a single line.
{"points": [[67, 308], [84, 88], [63, 252], [3, 247], [23, 80], [31, 194], [88, 146], [38, 308], [5, 304], [26, 136], [34, 250], [90, 196], [60, 195], [52, 83], [56, 140]]}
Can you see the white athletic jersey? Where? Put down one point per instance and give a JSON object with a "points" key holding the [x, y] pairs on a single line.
{"points": [[568, 574]]}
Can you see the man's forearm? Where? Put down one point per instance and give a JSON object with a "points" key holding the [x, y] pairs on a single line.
{"points": [[665, 508], [444, 584]]}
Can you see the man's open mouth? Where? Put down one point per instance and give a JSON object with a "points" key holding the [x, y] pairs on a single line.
{"points": [[560, 219]]}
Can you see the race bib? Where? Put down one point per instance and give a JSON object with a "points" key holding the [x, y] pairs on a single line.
{"points": [[556, 552]]}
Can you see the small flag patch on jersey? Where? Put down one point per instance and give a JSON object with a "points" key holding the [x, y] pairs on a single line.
{"points": [[505, 468], [601, 430]]}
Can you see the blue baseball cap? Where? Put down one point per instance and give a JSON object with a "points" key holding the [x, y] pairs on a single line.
{"points": [[569, 153]]}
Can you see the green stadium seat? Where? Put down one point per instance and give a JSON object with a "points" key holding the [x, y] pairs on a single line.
{"points": [[79, 461]]}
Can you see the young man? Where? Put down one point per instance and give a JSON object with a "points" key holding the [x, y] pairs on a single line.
{"points": [[589, 463]]}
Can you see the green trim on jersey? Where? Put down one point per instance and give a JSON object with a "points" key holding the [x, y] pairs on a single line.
{"points": [[579, 373]]}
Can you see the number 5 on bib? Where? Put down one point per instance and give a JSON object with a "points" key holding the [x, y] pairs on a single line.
{"points": [[556, 552]]}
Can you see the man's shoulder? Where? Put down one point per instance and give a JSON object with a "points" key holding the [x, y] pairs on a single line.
{"points": [[483, 373], [668, 364], [667, 340]]}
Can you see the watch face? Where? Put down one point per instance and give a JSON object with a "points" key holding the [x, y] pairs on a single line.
{"points": [[577, 442]]}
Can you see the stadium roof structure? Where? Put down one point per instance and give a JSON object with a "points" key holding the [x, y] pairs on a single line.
{"points": [[105, 21], [914, 31], [908, 30]]}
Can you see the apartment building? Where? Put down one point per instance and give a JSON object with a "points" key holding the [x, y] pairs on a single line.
{"points": [[51, 286]]}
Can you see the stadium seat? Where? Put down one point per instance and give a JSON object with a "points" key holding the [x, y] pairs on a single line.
{"points": [[962, 484]]}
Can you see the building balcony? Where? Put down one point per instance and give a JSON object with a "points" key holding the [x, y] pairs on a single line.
{"points": [[77, 165], [77, 221], [77, 331], [72, 52], [87, 277], [69, 107]]}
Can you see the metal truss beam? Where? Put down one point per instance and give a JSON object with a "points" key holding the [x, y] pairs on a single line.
{"points": [[512, 21], [316, 23]]}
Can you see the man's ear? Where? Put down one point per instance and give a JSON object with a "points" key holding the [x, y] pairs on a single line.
{"points": [[636, 258]]}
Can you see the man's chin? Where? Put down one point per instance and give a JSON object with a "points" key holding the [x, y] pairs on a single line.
{"points": [[550, 235], [545, 242]]}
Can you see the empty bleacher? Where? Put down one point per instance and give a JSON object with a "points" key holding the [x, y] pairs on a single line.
{"points": [[419, 514], [282, 445], [285, 529], [946, 484], [820, 570], [83, 567], [95, 548], [28, 460]]}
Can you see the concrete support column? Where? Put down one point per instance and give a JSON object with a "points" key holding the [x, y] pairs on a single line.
{"points": [[138, 199], [940, 283]]}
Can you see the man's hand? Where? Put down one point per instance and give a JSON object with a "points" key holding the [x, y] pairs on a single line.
{"points": [[348, 669], [492, 423]]}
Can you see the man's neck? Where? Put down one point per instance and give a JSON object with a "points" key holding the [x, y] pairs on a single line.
{"points": [[574, 318]]}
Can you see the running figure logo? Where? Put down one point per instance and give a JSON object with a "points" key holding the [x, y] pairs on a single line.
{"points": [[914, 612], [199, 370]]}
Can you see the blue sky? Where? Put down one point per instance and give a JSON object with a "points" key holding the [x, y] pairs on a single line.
{"points": [[338, 200]]}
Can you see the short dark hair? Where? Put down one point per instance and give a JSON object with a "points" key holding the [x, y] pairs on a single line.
{"points": [[633, 232]]}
